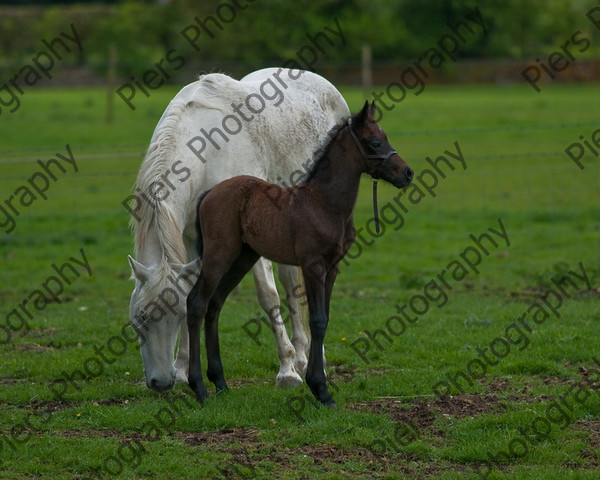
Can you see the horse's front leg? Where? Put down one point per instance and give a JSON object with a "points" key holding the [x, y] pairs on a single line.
{"points": [[290, 279], [196, 310], [269, 301], [315, 276], [329, 282], [182, 360]]}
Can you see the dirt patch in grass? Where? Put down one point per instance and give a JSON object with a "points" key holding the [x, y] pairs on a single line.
{"points": [[40, 332], [590, 454], [422, 412], [34, 347], [498, 385], [227, 436], [248, 453], [51, 405], [95, 433], [9, 381], [56, 405]]}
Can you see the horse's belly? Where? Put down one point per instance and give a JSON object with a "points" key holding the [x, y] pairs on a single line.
{"points": [[272, 246]]}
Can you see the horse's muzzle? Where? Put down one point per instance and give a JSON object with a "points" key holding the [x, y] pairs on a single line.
{"points": [[160, 386]]}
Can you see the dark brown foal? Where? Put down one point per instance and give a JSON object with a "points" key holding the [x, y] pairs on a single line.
{"points": [[310, 225]]}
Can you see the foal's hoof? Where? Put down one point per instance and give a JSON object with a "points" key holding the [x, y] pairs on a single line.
{"points": [[201, 394], [221, 390], [289, 379], [201, 398]]}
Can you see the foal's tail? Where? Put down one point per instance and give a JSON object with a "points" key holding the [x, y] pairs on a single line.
{"points": [[200, 241]]}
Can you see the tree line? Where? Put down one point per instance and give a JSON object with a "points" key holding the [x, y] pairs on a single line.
{"points": [[268, 32]]}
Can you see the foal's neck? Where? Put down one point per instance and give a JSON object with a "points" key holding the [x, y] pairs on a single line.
{"points": [[336, 177]]}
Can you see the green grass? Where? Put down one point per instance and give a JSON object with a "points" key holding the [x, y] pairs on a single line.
{"points": [[513, 142]]}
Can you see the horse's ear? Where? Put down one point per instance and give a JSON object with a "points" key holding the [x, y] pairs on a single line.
{"points": [[191, 269], [362, 116], [372, 110], [140, 271]]}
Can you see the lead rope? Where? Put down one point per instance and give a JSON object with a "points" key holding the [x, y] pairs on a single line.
{"points": [[375, 209]]}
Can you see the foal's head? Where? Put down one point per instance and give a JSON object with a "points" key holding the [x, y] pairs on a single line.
{"points": [[381, 160]]}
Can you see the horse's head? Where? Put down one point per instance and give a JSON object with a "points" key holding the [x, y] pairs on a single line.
{"points": [[381, 159], [157, 307]]}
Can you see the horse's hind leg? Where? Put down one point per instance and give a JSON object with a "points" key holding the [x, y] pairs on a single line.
{"points": [[230, 280], [182, 359], [268, 299], [289, 276], [214, 268]]}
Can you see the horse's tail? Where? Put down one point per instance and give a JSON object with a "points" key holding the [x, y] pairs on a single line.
{"points": [[200, 241]]}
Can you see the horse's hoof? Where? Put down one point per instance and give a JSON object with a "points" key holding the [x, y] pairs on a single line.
{"points": [[201, 393], [181, 377], [300, 365], [201, 397], [222, 389], [287, 380]]}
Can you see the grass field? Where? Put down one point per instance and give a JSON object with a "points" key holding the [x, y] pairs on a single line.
{"points": [[537, 400]]}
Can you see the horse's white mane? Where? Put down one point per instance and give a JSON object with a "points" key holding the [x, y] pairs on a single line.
{"points": [[156, 162], [213, 91]]}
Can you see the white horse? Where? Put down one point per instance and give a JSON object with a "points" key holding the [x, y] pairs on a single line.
{"points": [[269, 125]]}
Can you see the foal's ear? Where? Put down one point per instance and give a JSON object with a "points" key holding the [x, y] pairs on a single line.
{"points": [[372, 110], [362, 116]]}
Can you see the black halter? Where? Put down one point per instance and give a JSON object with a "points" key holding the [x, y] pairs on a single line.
{"points": [[382, 156], [385, 157]]}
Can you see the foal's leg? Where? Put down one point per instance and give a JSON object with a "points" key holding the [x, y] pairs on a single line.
{"points": [[230, 280], [197, 303], [182, 359], [213, 269], [329, 282], [289, 276], [268, 299], [315, 274]]}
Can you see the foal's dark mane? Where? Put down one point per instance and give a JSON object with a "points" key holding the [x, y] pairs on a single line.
{"points": [[321, 155]]}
